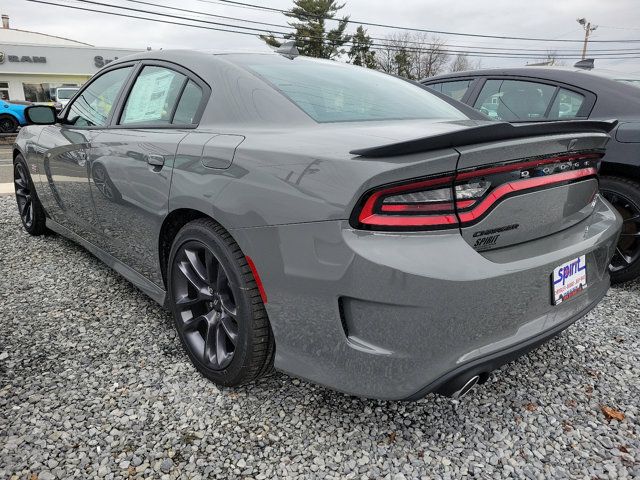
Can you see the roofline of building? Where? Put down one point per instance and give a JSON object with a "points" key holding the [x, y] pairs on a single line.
{"points": [[84, 46], [46, 35]]}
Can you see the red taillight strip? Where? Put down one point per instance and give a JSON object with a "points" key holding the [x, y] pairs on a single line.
{"points": [[524, 165], [257, 278], [422, 207], [368, 217], [409, 221], [520, 185]]}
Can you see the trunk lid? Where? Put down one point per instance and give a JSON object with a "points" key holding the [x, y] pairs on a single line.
{"points": [[537, 186], [511, 184]]}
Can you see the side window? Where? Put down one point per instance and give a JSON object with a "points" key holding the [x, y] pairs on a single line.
{"points": [[436, 86], [456, 90], [514, 100], [92, 107], [566, 105], [188, 104], [153, 96]]}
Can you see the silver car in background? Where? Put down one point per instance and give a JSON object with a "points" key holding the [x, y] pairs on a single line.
{"points": [[333, 222]]}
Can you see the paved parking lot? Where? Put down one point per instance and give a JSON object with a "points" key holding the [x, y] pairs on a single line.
{"points": [[6, 169], [93, 383]]}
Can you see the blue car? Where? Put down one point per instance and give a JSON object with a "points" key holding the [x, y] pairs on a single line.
{"points": [[11, 116]]}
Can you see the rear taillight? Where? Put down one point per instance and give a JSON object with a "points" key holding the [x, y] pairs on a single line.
{"points": [[452, 200]]}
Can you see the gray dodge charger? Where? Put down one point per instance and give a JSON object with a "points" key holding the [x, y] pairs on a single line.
{"points": [[333, 222]]}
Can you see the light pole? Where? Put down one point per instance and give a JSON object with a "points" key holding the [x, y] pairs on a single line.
{"points": [[587, 30]]}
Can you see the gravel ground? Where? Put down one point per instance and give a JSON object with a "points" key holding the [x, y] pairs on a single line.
{"points": [[93, 383]]}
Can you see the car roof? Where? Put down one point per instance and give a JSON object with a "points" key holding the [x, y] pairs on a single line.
{"points": [[613, 97], [571, 75]]}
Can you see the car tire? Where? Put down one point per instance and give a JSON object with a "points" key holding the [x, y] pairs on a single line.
{"points": [[217, 306], [30, 209], [8, 124], [624, 195]]}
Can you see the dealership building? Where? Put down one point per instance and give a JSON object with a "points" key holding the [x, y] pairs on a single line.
{"points": [[33, 65]]}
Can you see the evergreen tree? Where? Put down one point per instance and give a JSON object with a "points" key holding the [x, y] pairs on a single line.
{"points": [[311, 35], [360, 52], [403, 63]]}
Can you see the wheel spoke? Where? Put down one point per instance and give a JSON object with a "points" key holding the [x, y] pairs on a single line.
{"points": [[212, 267], [193, 278], [228, 305], [230, 328], [634, 235], [22, 192], [196, 264], [20, 182], [26, 210], [632, 219], [185, 302], [211, 342], [221, 279], [624, 257], [222, 354]]}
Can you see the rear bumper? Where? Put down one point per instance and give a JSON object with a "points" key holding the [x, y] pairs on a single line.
{"points": [[497, 359], [394, 316]]}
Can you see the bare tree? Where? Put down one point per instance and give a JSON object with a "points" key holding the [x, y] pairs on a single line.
{"points": [[387, 52], [551, 59], [430, 56], [462, 63], [412, 56]]}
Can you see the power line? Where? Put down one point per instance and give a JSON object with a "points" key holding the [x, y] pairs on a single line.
{"points": [[204, 27], [543, 51], [397, 27], [387, 46]]}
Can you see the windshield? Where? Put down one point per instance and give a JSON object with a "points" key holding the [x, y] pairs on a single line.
{"points": [[336, 92], [66, 94]]}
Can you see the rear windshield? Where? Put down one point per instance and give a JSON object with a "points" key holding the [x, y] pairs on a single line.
{"points": [[336, 92]]}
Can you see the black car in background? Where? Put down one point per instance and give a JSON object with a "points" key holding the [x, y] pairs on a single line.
{"points": [[539, 94]]}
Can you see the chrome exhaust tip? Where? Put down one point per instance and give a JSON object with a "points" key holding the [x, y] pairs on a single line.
{"points": [[466, 388]]}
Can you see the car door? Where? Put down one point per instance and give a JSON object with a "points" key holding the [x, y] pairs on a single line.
{"points": [[523, 99], [68, 149], [132, 165]]}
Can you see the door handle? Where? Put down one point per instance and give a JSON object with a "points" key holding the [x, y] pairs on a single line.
{"points": [[155, 160]]}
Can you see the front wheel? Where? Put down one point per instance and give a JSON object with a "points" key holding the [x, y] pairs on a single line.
{"points": [[31, 211], [216, 305], [624, 195], [8, 124]]}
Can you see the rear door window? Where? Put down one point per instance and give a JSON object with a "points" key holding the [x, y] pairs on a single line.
{"points": [[566, 105], [515, 100], [153, 97], [455, 90], [188, 104]]}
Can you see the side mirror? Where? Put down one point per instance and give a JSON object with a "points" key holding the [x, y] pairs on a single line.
{"points": [[40, 115]]}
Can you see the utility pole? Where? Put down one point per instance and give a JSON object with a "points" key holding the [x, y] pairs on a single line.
{"points": [[587, 31]]}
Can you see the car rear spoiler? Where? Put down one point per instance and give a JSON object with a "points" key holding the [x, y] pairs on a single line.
{"points": [[490, 132]]}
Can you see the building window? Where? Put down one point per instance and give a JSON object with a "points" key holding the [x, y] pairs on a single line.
{"points": [[4, 90], [36, 92]]}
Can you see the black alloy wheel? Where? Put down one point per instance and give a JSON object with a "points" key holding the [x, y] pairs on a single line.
{"points": [[217, 307], [625, 264], [23, 195], [29, 207], [8, 124], [204, 298]]}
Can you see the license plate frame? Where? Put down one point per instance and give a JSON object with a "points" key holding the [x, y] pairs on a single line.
{"points": [[569, 280]]}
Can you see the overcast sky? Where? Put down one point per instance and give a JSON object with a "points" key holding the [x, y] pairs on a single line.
{"points": [[555, 19]]}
